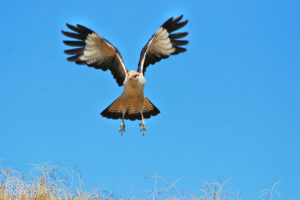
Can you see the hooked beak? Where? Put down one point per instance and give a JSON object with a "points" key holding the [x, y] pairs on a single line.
{"points": [[132, 76]]}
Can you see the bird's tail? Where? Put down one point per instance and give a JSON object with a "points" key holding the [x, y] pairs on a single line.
{"points": [[149, 109], [114, 110]]}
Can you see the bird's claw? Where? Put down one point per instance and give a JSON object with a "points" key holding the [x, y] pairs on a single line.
{"points": [[122, 128], [143, 127]]}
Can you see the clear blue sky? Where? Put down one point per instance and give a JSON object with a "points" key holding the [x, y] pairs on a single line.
{"points": [[229, 106]]}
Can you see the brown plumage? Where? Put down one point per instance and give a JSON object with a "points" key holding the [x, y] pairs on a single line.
{"points": [[114, 111], [94, 51]]}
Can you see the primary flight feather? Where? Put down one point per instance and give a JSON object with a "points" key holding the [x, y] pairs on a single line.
{"points": [[95, 51]]}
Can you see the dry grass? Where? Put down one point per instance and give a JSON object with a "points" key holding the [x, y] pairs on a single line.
{"points": [[47, 182]]}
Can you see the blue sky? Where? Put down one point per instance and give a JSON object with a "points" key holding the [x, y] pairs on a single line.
{"points": [[229, 105]]}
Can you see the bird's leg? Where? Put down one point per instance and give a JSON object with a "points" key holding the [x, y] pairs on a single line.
{"points": [[122, 126], [143, 125]]}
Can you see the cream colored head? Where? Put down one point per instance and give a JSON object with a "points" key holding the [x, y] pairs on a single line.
{"points": [[133, 75]]}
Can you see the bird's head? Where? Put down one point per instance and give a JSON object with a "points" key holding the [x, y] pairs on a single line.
{"points": [[133, 75]]}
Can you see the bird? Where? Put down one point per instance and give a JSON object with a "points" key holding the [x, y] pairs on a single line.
{"points": [[91, 49]]}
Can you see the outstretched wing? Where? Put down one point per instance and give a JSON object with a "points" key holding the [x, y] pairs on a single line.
{"points": [[94, 51], [163, 44]]}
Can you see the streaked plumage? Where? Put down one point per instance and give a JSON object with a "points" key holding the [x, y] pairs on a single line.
{"points": [[95, 51]]}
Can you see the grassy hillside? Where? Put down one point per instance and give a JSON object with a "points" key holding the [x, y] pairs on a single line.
{"points": [[51, 183]]}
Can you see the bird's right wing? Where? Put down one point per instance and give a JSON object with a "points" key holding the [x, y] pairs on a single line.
{"points": [[163, 43], [94, 51]]}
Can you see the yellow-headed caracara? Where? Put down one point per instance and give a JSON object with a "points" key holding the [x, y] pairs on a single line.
{"points": [[95, 51]]}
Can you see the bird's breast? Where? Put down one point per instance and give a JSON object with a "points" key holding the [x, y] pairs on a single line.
{"points": [[134, 88]]}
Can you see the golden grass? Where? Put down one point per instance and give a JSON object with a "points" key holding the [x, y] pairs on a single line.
{"points": [[47, 182]]}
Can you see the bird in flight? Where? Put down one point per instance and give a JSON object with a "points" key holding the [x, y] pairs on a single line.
{"points": [[95, 51]]}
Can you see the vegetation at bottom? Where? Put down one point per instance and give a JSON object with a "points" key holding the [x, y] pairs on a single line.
{"points": [[46, 182]]}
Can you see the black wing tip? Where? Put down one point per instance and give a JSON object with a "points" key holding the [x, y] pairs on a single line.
{"points": [[74, 43], [184, 22], [184, 34], [65, 42], [74, 35], [67, 52], [174, 24], [70, 26], [64, 32], [180, 42], [78, 51], [80, 29], [178, 35], [84, 29], [80, 62], [178, 18], [80, 26], [72, 58], [170, 19], [179, 50]]}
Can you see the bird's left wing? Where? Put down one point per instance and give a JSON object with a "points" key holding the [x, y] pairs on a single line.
{"points": [[163, 43], [94, 51]]}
